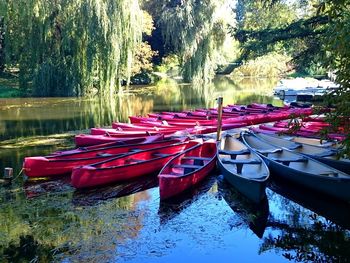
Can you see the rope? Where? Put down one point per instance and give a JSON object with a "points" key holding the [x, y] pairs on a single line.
{"points": [[20, 172]]}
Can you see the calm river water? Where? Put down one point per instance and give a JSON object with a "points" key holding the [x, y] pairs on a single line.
{"points": [[44, 221]]}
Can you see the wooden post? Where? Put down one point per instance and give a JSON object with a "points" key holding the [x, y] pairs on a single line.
{"points": [[8, 173], [220, 101]]}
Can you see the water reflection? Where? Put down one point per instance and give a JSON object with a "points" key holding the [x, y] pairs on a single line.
{"points": [[168, 209], [253, 215], [32, 116], [127, 222], [299, 234], [332, 209], [94, 196]]}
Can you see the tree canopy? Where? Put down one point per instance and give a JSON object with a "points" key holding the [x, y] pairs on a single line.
{"points": [[65, 48]]}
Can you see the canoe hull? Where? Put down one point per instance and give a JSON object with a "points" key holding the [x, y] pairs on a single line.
{"points": [[302, 170], [343, 166], [87, 176], [251, 180], [173, 185], [41, 166], [337, 187], [90, 140], [126, 167], [254, 190]]}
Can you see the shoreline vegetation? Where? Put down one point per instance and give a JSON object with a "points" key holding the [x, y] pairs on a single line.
{"points": [[103, 47]]}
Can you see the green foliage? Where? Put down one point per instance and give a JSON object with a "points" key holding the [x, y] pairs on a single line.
{"points": [[320, 42], [169, 63], [195, 30], [2, 42], [270, 65], [257, 16], [337, 47], [65, 48], [143, 58], [144, 54]]}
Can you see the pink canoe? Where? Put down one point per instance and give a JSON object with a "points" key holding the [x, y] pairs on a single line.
{"points": [[53, 165], [126, 167], [89, 140], [137, 132], [148, 139], [187, 169]]}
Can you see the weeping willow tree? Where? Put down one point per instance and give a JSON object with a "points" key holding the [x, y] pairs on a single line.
{"points": [[65, 47], [195, 30]]}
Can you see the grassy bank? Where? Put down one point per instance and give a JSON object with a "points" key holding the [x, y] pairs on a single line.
{"points": [[9, 87]]}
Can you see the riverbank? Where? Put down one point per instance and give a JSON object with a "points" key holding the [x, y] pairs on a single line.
{"points": [[9, 87]]}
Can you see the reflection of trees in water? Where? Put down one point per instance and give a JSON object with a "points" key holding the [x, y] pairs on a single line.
{"points": [[33, 116], [301, 235], [252, 215], [169, 209], [172, 96], [245, 90], [60, 228]]}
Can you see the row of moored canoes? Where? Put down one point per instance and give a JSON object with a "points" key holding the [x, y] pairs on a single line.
{"points": [[160, 145]]}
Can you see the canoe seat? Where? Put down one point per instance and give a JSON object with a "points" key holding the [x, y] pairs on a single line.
{"points": [[330, 173], [233, 154], [161, 154], [295, 146], [134, 150], [239, 163], [268, 151], [188, 168], [196, 158], [83, 148], [287, 161], [104, 155], [324, 154], [132, 160]]}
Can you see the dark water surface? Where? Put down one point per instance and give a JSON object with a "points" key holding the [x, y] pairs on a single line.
{"points": [[44, 221]]}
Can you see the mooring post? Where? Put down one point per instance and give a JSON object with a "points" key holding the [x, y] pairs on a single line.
{"points": [[220, 101], [8, 173]]}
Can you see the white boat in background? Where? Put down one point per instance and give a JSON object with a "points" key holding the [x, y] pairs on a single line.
{"points": [[301, 86]]}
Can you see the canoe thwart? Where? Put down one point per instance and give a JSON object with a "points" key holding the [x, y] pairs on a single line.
{"points": [[132, 160], [105, 155], [325, 153], [161, 154], [196, 158], [188, 168], [329, 173], [239, 163], [295, 146], [135, 150], [287, 161], [267, 151], [241, 152]]}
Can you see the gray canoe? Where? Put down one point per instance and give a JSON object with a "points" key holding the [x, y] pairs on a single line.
{"points": [[327, 155], [306, 140], [300, 168], [242, 168]]}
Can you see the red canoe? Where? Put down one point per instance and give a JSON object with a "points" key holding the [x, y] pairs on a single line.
{"points": [[165, 131], [52, 165], [187, 169], [275, 130], [131, 132], [127, 167], [123, 141], [286, 130], [89, 140]]}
